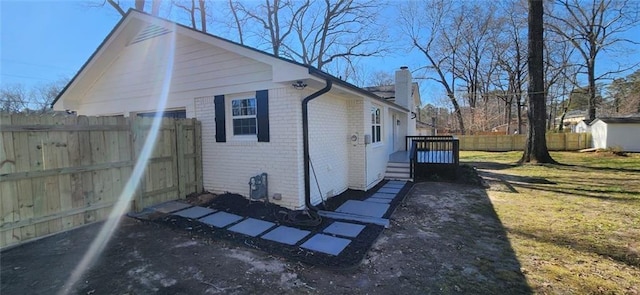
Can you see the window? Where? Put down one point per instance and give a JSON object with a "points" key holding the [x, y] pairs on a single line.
{"points": [[244, 116], [376, 126]]}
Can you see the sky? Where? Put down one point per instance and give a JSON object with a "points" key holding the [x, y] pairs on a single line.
{"points": [[43, 41]]}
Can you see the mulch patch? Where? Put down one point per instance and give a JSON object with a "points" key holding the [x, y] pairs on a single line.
{"points": [[350, 257]]}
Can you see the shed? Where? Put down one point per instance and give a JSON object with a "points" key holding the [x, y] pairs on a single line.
{"points": [[623, 133]]}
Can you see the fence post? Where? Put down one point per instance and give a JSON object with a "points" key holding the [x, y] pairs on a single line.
{"points": [[197, 134], [134, 136], [180, 154]]}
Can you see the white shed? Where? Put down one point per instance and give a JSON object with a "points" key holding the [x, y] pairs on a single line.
{"points": [[623, 133], [582, 127]]}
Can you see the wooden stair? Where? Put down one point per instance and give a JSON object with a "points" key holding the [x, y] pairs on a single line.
{"points": [[398, 171]]}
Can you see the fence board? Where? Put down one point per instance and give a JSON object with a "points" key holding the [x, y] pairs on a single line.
{"points": [[516, 142], [25, 191], [60, 172]]}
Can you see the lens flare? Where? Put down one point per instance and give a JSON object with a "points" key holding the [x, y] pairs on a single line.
{"points": [[162, 49]]}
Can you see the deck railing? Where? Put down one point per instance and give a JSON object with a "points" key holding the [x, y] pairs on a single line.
{"points": [[431, 155]]}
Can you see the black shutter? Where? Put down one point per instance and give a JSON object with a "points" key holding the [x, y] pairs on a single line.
{"points": [[218, 103], [262, 100]]}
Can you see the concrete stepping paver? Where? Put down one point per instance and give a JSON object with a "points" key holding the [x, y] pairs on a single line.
{"points": [[396, 182], [383, 196], [170, 206], [363, 208], [389, 190], [220, 219], [344, 229], [326, 244], [379, 200], [390, 185], [252, 227], [194, 212], [286, 235]]}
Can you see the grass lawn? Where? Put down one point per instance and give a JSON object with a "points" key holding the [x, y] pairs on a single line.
{"points": [[574, 227]]}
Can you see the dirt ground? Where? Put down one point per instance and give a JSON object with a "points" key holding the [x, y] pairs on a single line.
{"points": [[444, 238]]}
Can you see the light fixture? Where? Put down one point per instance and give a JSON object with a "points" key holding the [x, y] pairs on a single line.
{"points": [[299, 85]]}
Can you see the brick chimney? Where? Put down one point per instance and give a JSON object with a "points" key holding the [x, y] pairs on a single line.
{"points": [[403, 88]]}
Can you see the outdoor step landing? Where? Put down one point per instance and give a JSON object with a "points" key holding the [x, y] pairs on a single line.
{"points": [[363, 208]]}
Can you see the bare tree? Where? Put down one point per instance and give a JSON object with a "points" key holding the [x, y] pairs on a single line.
{"points": [[512, 61], [327, 31], [475, 55], [428, 27], [535, 150], [592, 28], [271, 21], [139, 5], [381, 78], [16, 98], [238, 21], [13, 98], [560, 75], [624, 94], [197, 13]]}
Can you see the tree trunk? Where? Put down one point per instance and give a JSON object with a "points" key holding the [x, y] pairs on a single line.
{"points": [[535, 150], [140, 5], [591, 73], [456, 109], [203, 16]]}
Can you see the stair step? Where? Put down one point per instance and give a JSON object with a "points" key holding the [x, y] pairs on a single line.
{"points": [[398, 169], [398, 177], [402, 175], [398, 164]]}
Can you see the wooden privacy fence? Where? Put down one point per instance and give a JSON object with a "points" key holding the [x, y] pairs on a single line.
{"points": [[60, 172], [516, 142]]}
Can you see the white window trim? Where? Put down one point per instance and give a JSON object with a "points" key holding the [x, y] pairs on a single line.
{"points": [[380, 141], [229, 110]]}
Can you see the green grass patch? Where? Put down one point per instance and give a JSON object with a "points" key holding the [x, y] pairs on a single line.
{"points": [[575, 227]]}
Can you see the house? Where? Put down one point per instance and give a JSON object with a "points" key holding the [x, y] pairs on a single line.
{"points": [[622, 133], [572, 119], [314, 135]]}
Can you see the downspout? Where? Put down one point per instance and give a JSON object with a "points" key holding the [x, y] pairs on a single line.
{"points": [[305, 142]]}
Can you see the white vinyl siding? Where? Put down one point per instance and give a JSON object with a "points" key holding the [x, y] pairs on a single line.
{"points": [[141, 72]]}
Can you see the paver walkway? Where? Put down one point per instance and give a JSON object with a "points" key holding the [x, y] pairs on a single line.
{"points": [[331, 240]]}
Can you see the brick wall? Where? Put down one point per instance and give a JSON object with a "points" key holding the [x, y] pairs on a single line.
{"points": [[328, 146], [357, 117], [227, 166]]}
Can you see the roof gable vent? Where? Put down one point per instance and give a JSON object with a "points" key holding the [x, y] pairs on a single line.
{"points": [[150, 31]]}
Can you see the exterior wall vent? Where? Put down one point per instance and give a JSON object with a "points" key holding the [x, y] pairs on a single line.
{"points": [[149, 32]]}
